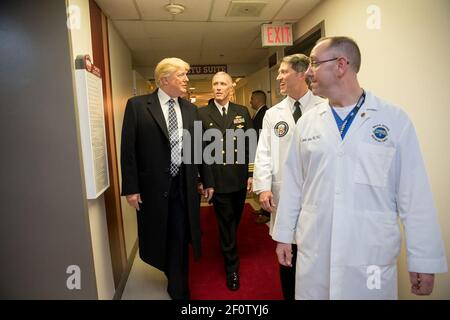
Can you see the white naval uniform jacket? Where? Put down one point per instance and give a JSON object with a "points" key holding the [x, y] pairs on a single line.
{"points": [[342, 200], [273, 146]]}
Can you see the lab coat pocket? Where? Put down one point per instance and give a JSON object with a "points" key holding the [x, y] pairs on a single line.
{"points": [[372, 164], [381, 238], [306, 235]]}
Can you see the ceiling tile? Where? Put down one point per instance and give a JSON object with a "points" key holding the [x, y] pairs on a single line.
{"points": [[237, 35], [195, 10], [174, 30], [153, 10], [295, 9], [221, 7], [130, 29], [242, 56], [151, 44], [151, 58], [119, 9]]}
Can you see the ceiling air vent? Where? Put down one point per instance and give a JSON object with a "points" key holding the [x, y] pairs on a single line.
{"points": [[242, 8]]}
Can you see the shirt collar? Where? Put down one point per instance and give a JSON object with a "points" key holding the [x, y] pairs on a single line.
{"points": [[304, 101], [260, 108], [219, 106], [164, 97]]}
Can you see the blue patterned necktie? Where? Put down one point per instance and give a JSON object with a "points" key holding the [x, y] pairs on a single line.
{"points": [[175, 157]]}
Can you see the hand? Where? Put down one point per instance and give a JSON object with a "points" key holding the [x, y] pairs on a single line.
{"points": [[284, 254], [421, 283], [200, 188], [208, 193], [266, 201], [249, 184], [134, 200]]}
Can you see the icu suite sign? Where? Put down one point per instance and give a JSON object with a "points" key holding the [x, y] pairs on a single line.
{"points": [[276, 35]]}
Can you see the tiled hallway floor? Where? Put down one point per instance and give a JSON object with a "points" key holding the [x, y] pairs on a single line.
{"points": [[145, 283]]}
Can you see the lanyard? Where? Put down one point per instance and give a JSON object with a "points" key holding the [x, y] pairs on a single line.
{"points": [[343, 125]]}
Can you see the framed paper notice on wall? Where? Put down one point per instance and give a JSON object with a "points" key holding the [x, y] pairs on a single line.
{"points": [[92, 126]]}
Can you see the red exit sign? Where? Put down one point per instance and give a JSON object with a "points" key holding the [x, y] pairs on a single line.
{"points": [[276, 35]]}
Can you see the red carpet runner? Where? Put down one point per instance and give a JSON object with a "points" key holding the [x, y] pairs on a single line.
{"points": [[259, 273]]}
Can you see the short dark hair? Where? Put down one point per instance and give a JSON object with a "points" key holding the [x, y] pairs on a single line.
{"points": [[261, 95], [299, 62], [346, 46]]}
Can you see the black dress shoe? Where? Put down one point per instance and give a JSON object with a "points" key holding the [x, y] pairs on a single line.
{"points": [[233, 281]]}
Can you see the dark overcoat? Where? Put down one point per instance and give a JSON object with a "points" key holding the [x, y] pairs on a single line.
{"points": [[145, 160]]}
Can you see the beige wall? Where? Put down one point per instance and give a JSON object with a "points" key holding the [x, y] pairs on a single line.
{"points": [[81, 44], [406, 62], [122, 89], [258, 80], [141, 85]]}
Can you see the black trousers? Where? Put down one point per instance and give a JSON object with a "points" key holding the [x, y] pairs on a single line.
{"points": [[287, 277], [177, 265], [228, 208]]}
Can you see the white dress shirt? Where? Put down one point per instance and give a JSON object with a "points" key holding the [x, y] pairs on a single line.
{"points": [[220, 107], [164, 102]]}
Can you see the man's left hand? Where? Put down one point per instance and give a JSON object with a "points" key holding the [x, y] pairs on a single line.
{"points": [[421, 283], [208, 193], [249, 184]]}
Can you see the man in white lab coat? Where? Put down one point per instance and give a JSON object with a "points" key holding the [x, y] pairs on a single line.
{"points": [[278, 127], [354, 168]]}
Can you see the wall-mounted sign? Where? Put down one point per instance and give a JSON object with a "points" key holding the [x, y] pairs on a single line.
{"points": [[92, 126], [207, 68], [276, 35]]}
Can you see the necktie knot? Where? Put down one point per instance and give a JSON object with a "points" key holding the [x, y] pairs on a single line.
{"points": [[224, 111], [171, 103], [297, 112]]}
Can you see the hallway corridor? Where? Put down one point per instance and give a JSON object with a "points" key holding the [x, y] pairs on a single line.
{"points": [[258, 271]]}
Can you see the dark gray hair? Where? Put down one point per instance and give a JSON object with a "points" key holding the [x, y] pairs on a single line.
{"points": [[299, 62]]}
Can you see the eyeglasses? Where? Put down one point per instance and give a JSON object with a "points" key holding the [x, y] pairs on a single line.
{"points": [[315, 64]]}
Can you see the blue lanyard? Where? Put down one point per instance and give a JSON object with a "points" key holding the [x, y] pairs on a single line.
{"points": [[343, 125]]}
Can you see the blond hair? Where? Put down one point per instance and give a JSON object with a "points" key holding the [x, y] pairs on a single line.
{"points": [[168, 66]]}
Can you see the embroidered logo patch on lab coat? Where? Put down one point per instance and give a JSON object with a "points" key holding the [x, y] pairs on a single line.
{"points": [[380, 132], [281, 128]]}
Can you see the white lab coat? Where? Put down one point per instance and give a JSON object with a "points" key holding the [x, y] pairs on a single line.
{"points": [[342, 199], [272, 148]]}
